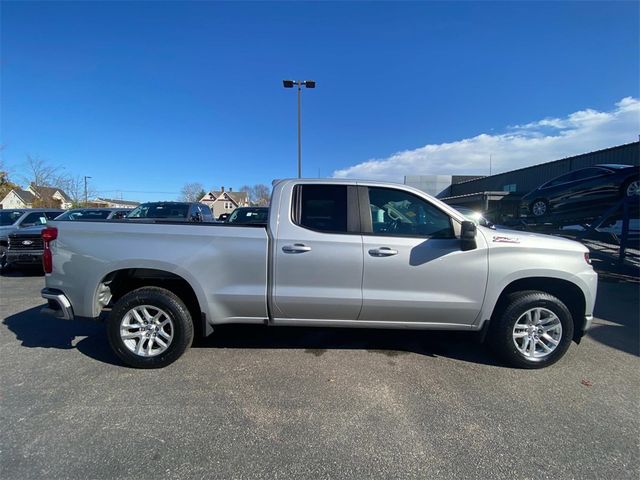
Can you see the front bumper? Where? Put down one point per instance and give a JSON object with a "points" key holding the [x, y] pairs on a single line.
{"points": [[588, 320], [24, 257], [58, 304]]}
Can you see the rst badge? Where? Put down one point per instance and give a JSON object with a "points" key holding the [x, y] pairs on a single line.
{"points": [[502, 239]]}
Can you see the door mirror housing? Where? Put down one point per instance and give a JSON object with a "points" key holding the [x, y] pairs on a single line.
{"points": [[468, 235]]}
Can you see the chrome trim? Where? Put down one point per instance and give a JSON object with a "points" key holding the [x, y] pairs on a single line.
{"points": [[588, 319], [64, 312]]}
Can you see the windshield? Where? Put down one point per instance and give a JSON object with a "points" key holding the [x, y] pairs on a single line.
{"points": [[84, 215], [9, 218], [160, 210], [249, 215]]}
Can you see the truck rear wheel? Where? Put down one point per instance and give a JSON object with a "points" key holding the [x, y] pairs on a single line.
{"points": [[534, 330], [150, 328]]}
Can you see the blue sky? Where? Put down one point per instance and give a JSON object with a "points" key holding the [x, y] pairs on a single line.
{"points": [[147, 96]]}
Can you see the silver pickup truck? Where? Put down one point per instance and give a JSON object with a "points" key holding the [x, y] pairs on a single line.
{"points": [[333, 254]]}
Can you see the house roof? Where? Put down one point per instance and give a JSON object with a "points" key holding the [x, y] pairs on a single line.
{"points": [[48, 192], [24, 195], [119, 202]]}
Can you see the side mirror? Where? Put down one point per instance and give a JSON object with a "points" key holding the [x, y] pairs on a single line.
{"points": [[468, 235]]}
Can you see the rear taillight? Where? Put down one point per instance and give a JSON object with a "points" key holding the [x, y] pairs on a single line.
{"points": [[48, 235], [587, 258]]}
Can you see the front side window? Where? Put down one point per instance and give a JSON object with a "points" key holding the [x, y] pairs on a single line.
{"points": [[322, 208], [35, 218], [402, 214], [566, 178]]}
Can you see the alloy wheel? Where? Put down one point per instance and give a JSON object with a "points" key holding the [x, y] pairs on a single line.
{"points": [[633, 188], [539, 208], [537, 333], [146, 330]]}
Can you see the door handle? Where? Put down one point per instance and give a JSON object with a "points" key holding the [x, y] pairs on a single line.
{"points": [[296, 248], [382, 252]]}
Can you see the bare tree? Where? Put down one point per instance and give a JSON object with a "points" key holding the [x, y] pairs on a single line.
{"points": [[192, 192], [258, 194], [41, 173], [261, 194], [73, 186]]}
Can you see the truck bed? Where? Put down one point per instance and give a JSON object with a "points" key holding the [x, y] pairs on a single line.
{"points": [[226, 264]]}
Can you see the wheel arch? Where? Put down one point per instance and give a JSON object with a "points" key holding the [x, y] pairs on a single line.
{"points": [[118, 283], [566, 291]]}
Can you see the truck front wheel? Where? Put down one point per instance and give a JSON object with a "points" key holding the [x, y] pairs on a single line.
{"points": [[149, 328], [534, 330]]}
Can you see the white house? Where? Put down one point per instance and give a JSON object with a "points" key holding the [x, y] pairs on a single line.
{"points": [[225, 202], [47, 196]]}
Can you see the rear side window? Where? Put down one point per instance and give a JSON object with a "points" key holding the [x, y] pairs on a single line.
{"points": [[322, 207], [587, 173]]}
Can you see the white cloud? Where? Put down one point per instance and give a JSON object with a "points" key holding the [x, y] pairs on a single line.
{"points": [[520, 146]]}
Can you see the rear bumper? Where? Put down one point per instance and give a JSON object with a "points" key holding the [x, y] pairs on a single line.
{"points": [[588, 319], [58, 304]]}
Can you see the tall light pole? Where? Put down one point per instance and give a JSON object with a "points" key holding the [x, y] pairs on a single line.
{"points": [[86, 200], [299, 84]]}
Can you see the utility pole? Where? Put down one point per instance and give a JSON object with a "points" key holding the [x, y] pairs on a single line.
{"points": [[299, 132], [86, 199]]}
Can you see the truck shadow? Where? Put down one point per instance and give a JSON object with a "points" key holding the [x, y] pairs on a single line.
{"points": [[89, 337], [41, 331], [317, 341]]}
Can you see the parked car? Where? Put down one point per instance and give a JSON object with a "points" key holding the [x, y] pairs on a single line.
{"points": [[334, 253], [95, 214], [223, 217], [25, 246], [174, 211], [475, 217], [581, 191], [14, 219], [249, 215]]}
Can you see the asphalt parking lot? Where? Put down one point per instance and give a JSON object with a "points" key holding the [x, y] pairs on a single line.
{"points": [[257, 402]]}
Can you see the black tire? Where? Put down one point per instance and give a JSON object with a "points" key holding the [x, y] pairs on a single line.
{"points": [[501, 330], [169, 303], [546, 208]]}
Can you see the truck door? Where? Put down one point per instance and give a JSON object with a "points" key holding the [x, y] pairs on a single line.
{"points": [[414, 268], [318, 256]]}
